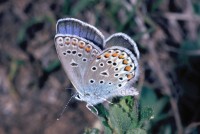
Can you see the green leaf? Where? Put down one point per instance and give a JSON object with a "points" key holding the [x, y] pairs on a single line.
{"points": [[137, 131], [107, 130], [127, 103], [160, 104], [91, 131], [148, 97], [103, 116], [148, 100], [119, 120], [188, 49]]}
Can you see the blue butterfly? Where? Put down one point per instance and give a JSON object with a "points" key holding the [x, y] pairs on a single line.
{"points": [[99, 69]]}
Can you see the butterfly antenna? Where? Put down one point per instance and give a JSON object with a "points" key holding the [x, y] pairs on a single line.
{"points": [[66, 106]]}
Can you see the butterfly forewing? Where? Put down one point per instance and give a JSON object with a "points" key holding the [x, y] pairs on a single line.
{"points": [[75, 48]]}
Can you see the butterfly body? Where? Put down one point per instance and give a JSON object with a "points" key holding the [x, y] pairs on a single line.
{"points": [[98, 69]]}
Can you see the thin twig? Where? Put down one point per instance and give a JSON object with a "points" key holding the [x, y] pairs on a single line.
{"points": [[191, 126], [157, 69], [182, 17], [165, 84]]}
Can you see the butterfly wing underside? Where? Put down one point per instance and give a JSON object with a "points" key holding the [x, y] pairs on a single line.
{"points": [[77, 44], [114, 71]]}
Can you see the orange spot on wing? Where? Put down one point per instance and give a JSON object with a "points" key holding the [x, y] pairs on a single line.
{"points": [[107, 55], [121, 57], [125, 62], [127, 68], [88, 49], [129, 76], [115, 55], [74, 41], [81, 44]]}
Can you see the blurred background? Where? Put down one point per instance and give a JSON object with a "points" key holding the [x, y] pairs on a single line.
{"points": [[34, 88]]}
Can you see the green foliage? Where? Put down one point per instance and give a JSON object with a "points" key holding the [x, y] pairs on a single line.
{"points": [[91, 131], [119, 120], [132, 116], [196, 6], [188, 50]]}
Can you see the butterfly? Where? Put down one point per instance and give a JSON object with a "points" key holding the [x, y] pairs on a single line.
{"points": [[99, 69]]}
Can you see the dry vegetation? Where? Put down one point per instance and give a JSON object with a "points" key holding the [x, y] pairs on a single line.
{"points": [[32, 82]]}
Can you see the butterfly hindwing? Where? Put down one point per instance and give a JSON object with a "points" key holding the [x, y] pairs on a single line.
{"points": [[123, 40], [111, 74]]}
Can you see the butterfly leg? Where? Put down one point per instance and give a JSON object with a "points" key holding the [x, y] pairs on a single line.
{"points": [[92, 109]]}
